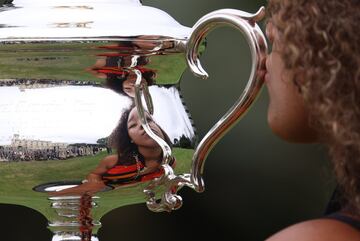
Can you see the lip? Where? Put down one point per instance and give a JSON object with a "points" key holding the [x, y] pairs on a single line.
{"points": [[267, 77]]}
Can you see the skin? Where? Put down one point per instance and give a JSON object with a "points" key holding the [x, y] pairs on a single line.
{"points": [[317, 230], [146, 145], [289, 119], [287, 114]]}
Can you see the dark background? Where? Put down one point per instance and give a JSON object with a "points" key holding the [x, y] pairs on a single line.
{"points": [[256, 184]]}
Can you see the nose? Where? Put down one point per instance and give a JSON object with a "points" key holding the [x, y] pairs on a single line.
{"points": [[141, 129]]}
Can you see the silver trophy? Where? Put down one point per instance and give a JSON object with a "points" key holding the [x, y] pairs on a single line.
{"points": [[91, 112]]}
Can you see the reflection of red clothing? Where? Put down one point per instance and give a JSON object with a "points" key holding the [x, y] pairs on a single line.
{"points": [[121, 174], [110, 70], [119, 70]]}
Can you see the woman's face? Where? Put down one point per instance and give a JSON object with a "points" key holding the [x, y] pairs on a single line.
{"points": [[287, 115], [137, 132]]}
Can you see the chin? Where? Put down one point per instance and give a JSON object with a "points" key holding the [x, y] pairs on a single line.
{"points": [[151, 144], [294, 131]]}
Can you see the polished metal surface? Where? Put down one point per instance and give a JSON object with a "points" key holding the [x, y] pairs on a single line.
{"points": [[91, 113], [85, 19], [246, 23]]}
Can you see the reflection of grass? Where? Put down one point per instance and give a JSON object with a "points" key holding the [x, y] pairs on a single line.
{"points": [[48, 61], [69, 61], [169, 69], [18, 179]]}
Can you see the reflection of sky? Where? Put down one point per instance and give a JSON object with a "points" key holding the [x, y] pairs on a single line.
{"points": [[98, 19], [169, 112], [80, 114], [72, 114]]}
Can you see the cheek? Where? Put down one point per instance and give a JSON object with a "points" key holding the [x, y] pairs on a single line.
{"points": [[132, 134], [125, 84], [287, 115], [157, 129], [286, 119]]}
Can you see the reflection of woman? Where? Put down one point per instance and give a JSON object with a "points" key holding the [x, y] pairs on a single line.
{"points": [[116, 68], [313, 81], [127, 84], [123, 81], [138, 154]]}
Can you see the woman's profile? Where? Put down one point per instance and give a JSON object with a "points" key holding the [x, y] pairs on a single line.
{"points": [[313, 80]]}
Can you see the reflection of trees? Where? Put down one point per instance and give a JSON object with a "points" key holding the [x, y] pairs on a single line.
{"points": [[103, 141], [185, 142], [5, 2]]}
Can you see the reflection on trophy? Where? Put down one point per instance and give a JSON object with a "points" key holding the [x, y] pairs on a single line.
{"points": [[92, 115]]}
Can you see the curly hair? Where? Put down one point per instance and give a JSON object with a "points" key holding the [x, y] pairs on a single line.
{"points": [[321, 46]]}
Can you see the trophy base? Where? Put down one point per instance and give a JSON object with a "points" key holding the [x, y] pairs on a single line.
{"points": [[73, 237]]}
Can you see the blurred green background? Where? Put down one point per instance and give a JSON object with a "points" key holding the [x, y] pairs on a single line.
{"points": [[256, 184]]}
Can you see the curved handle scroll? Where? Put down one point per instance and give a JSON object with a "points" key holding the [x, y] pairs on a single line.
{"points": [[171, 183], [245, 23]]}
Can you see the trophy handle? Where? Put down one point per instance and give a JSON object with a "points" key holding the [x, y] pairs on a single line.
{"points": [[245, 23], [169, 181]]}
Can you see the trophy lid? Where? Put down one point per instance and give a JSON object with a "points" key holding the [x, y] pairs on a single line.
{"points": [[85, 19]]}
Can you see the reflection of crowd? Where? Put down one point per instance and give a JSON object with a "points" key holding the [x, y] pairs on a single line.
{"points": [[35, 83], [10, 153]]}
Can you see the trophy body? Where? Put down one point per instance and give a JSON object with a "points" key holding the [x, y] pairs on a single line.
{"points": [[92, 116]]}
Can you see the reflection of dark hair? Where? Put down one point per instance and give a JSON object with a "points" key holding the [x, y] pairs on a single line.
{"points": [[121, 140], [112, 61], [149, 76], [115, 82]]}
